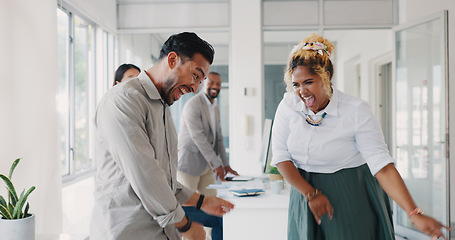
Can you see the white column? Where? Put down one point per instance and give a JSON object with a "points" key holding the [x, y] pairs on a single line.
{"points": [[28, 117], [246, 72]]}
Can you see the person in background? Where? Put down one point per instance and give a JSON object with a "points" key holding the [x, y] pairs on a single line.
{"points": [[330, 148], [201, 149], [137, 195], [124, 72]]}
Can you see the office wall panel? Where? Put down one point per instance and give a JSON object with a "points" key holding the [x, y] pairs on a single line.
{"points": [[358, 12], [169, 15], [291, 13]]}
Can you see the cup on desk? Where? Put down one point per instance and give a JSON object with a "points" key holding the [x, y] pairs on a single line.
{"points": [[276, 186]]}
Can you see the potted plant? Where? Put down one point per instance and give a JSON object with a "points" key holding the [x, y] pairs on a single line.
{"points": [[274, 174], [16, 223]]}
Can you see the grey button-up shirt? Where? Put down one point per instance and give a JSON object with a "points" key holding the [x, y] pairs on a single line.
{"points": [[137, 195]]}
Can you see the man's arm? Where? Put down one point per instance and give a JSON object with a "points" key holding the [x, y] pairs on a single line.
{"points": [[211, 205]]}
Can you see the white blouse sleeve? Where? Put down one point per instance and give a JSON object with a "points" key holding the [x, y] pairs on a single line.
{"points": [[370, 140], [280, 134]]}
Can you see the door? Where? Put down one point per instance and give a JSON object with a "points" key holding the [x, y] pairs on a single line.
{"points": [[421, 118]]}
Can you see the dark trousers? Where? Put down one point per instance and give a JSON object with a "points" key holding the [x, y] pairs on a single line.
{"points": [[214, 222]]}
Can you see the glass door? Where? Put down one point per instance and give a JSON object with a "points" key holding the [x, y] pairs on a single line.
{"points": [[421, 126]]}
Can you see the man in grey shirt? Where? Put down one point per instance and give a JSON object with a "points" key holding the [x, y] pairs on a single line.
{"points": [[201, 144], [201, 149], [137, 195]]}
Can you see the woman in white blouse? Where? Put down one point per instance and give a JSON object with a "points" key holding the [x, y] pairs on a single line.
{"points": [[330, 148]]}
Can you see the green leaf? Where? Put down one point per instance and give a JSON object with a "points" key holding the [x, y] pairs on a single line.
{"points": [[18, 209], [3, 202], [11, 190], [274, 170], [11, 170], [4, 208], [10, 207], [17, 214], [5, 213], [26, 210], [13, 166]]}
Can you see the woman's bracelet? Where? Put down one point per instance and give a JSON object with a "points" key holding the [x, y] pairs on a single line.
{"points": [[312, 195], [415, 211]]}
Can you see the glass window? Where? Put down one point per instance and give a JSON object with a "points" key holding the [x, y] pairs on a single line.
{"points": [[82, 50], [80, 88], [63, 91]]}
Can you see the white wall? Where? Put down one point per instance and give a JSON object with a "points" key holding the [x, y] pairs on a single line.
{"points": [[137, 49], [411, 10], [364, 45], [28, 117]]}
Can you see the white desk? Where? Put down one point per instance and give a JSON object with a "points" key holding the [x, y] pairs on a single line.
{"points": [[261, 217], [61, 237]]}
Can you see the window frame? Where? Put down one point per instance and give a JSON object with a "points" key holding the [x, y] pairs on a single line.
{"points": [[100, 60]]}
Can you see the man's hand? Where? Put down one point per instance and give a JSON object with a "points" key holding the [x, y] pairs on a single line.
{"points": [[228, 169], [220, 173], [216, 206], [196, 232]]}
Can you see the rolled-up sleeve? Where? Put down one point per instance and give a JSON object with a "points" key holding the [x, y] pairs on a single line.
{"points": [[183, 193], [370, 140], [121, 122]]}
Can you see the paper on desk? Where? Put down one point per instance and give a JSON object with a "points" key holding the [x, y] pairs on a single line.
{"points": [[218, 186], [256, 183]]}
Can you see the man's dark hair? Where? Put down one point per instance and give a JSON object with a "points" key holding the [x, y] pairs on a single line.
{"points": [[214, 73], [186, 44]]}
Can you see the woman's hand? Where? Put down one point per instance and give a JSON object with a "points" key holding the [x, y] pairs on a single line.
{"points": [[394, 186], [320, 206], [429, 226]]}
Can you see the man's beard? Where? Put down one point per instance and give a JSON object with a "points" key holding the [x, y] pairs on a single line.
{"points": [[167, 93], [209, 93]]}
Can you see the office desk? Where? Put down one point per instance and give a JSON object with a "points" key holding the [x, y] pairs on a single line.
{"points": [[260, 217], [61, 237]]}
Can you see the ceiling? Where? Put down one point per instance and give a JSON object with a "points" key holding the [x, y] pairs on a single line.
{"points": [[283, 20]]}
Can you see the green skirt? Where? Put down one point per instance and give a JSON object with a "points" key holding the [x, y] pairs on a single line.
{"points": [[361, 209]]}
